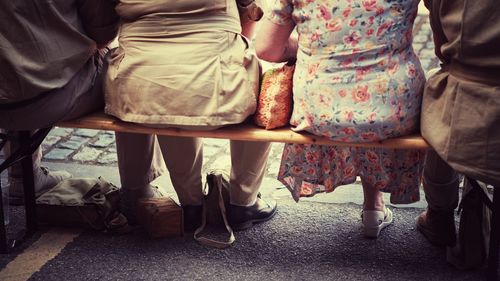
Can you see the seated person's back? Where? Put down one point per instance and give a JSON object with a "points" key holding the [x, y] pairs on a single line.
{"points": [[181, 63]]}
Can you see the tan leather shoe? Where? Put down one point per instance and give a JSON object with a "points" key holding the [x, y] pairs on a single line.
{"points": [[438, 227], [130, 197]]}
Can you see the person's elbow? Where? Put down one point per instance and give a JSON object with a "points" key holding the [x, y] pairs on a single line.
{"points": [[103, 45], [267, 52]]}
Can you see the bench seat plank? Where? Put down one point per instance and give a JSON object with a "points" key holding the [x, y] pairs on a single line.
{"points": [[245, 131]]}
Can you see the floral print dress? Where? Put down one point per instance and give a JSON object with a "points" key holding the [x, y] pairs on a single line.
{"points": [[357, 79]]}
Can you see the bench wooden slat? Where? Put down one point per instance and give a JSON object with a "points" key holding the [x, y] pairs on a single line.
{"points": [[247, 132]]}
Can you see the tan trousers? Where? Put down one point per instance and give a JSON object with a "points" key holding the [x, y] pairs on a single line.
{"points": [[440, 183], [81, 95], [15, 170], [65, 103], [138, 165]]}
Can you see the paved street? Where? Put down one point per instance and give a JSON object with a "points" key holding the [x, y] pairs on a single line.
{"points": [[317, 239]]}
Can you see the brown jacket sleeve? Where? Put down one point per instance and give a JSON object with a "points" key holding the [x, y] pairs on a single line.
{"points": [[437, 30], [99, 19]]}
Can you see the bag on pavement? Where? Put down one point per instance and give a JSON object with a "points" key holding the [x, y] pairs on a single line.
{"points": [[83, 202], [215, 203], [471, 250]]}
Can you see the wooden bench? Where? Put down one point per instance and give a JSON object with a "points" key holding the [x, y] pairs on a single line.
{"points": [[245, 131]]}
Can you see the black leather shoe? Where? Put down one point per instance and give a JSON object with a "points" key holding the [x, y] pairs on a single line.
{"points": [[243, 217], [192, 217]]}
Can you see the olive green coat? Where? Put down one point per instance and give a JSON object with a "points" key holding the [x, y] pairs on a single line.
{"points": [[461, 103]]}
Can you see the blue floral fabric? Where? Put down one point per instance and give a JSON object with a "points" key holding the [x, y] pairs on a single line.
{"points": [[357, 79]]}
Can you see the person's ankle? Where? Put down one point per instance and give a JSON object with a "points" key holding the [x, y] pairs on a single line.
{"points": [[143, 192], [244, 204], [374, 206]]}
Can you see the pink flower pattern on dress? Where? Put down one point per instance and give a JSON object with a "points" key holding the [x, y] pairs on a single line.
{"points": [[357, 79]]}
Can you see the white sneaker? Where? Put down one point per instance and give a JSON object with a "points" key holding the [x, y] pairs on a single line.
{"points": [[375, 221], [44, 180]]}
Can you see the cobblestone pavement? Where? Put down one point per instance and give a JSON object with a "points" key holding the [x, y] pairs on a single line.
{"points": [[93, 147]]}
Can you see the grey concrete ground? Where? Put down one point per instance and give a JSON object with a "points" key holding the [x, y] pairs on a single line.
{"points": [[307, 241], [317, 239]]}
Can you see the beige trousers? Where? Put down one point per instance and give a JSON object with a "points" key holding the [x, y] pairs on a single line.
{"points": [[440, 183], [82, 95], [15, 170], [138, 156]]}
